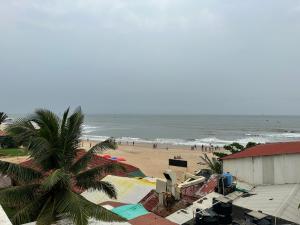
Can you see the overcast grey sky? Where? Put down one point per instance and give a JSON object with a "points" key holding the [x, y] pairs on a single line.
{"points": [[151, 56]]}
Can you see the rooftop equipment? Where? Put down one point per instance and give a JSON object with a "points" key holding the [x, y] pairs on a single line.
{"points": [[257, 218], [225, 184]]}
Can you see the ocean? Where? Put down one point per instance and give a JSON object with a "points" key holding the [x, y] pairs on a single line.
{"points": [[217, 130]]}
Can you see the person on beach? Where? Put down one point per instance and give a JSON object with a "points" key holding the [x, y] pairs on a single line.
{"points": [[133, 143]]}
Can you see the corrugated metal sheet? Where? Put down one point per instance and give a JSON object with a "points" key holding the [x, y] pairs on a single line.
{"points": [[280, 201], [129, 190]]}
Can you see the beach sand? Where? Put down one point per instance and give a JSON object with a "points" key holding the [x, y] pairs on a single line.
{"points": [[153, 162]]}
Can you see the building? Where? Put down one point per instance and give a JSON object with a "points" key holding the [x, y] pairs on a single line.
{"points": [[278, 201], [274, 163], [97, 161], [130, 190]]}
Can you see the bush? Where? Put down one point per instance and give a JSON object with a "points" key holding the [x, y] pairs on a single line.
{"points": [[7, 142]]}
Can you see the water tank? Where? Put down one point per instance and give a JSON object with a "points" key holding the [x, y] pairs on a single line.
{"points": [[228, 179]]}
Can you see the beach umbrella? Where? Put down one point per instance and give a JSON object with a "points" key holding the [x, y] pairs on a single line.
{"points": [[121, 159], [106, 156]]}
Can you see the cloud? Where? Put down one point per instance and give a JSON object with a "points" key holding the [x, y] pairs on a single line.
{"points": [[152, 15]]}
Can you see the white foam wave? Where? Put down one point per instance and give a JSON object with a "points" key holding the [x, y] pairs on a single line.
{"points": [[86, 129], [257, 138], [166, 141]]}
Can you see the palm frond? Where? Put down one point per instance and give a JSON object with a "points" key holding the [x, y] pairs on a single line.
{"points": [[18, 195], [213, 164], [48, 123], [47, 214], [80, 209], [63, 129], [97, 172], [18, 172], [100, 213], [3, 117], [103, 186], [22, 130], [72, 136], [39, 149], [72, 204], [55, 177], [28, 213], [81, 163]]}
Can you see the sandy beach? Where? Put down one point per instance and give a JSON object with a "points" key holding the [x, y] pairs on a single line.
{"points": [[154, 161]]}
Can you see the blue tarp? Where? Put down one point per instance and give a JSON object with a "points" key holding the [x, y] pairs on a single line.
{"points": [[131, 211]]}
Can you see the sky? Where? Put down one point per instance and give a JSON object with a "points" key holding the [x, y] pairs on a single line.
{"points": [[151, 56]]}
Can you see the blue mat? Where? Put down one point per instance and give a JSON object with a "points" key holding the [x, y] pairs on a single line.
{"points": [[131, 211]]}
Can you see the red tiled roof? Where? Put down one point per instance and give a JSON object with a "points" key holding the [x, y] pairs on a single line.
{"points": [[150, 201], [267, 150], [150, 219], [113, 204], [100, 161]]}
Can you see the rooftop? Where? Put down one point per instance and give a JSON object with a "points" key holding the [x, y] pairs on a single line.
{"points": [[129, 190], [280, 201], [130, 171], [147, 219], [184, 215], [267, 150]]}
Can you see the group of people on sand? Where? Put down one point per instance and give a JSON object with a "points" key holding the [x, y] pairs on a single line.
{"points": [[206, 148]]}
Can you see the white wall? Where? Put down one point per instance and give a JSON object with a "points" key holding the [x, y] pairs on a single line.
{"points": [[251, 169], [287, 169]]}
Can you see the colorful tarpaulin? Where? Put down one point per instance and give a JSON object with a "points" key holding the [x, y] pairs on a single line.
{"points": [[131, 211]]}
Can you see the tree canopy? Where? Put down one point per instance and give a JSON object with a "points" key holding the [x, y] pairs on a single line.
{"points": [[50, 191]]}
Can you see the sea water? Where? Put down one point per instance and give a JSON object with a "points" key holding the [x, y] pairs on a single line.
{"points": [[217, 130]]}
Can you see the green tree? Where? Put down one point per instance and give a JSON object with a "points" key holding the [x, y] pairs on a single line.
{"points": [[234, 148], [214, 164], [3, 117], [49, 193]]}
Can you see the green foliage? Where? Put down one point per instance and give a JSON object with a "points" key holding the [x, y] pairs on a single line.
{"points": [[214, 164], [7, 142], [13, 152], [3, 117], [234, 148], [220, 154], [250, 144], [48, 194]]}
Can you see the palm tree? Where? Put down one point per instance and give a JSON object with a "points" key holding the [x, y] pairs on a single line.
{"points": [[3, 117], [214, 164], [48, 194]]}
